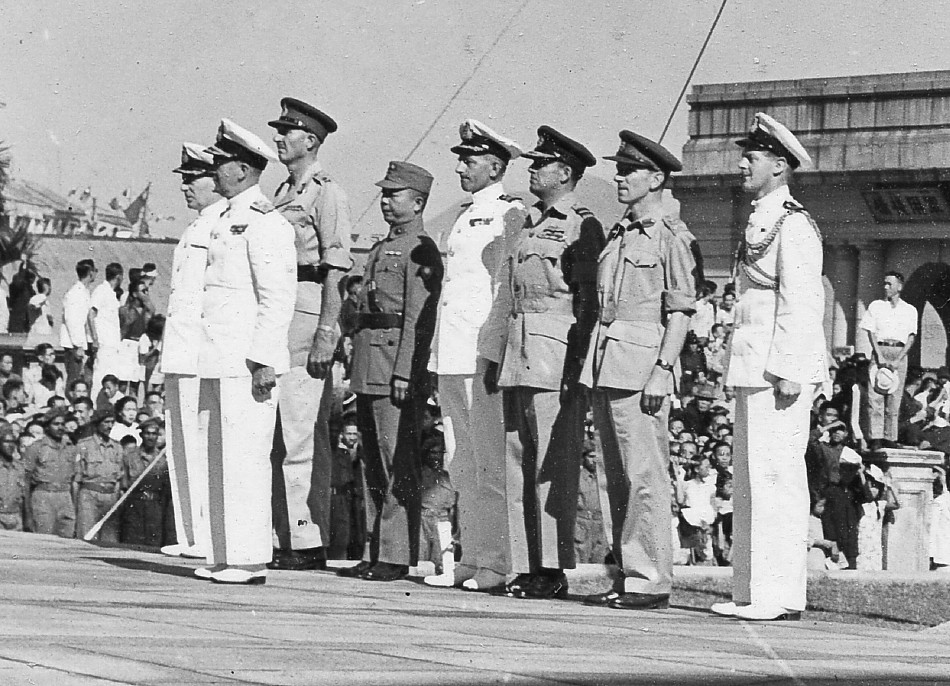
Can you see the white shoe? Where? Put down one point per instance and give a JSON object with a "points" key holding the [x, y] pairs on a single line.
{"points": [[485, 580], [458, 577], [767, 613], [233, 575], [206, 572], [725, 609], [178, 550]]}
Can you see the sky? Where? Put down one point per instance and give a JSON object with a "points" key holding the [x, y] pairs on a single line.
{"points": [[101, 93]]}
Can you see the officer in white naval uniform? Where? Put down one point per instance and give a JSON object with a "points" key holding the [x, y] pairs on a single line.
{"points": [[248, 302], [188, 431], [776, 361], [474, 252]]}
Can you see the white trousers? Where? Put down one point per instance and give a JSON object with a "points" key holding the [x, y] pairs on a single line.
{"points": [[188, 461], [240, 436], [770, 521], [479, 470], [108, 361]]}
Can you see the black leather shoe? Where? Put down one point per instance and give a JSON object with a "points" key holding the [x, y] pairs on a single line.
{"points": [[299, 560], [546, 588], [514, 588], [357, 570], [641, 601], [601, 599], [384, 571]]}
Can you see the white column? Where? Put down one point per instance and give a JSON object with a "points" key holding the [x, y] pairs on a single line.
{"points": [[842, 271]]}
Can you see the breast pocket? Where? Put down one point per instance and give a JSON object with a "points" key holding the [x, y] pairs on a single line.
{"points": [[643, 275]]}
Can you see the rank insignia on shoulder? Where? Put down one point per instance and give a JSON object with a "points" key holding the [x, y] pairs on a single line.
{"points": [[509, 198], [583, 211], [295, 208], [394, 253], [238, 229], [479, 221], [262, 206], [553, 233], [322, 177]]}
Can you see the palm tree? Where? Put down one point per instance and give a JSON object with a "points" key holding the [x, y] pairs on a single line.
{"points": [[14, 244]]}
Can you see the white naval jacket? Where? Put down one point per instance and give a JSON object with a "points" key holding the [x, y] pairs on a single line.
{"points": [[475, 250], [249, 289], [183, 323], [779, 330]]}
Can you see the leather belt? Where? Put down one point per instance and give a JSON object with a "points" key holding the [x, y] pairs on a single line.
{"points": [[309, 272], [379, 320], [145, 495], [892, 343], [98, 487], [52, 488]]}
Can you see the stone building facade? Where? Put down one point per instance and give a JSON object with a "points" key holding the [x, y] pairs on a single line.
{"points": [[879, 189]]}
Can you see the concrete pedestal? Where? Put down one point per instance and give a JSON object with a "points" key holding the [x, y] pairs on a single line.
{"points": [[908, 539]]}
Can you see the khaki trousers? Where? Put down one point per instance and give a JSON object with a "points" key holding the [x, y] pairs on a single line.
{"points": [[544, 439], [91, 507], [240, 436], [637, 463], [188, 461], [770, 520], [53, 513], [884, 410], [479, 471], [302, 461], [393, 475]]}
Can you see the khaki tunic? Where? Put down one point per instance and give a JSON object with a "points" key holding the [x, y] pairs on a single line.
{"points": [[98, 472], [13, 493], [51, 467]]}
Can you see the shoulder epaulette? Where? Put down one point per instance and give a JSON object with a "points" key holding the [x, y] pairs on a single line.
{"points": [[262, 206], [322, 177], [793, 206], [675, 224], [509, 198]]}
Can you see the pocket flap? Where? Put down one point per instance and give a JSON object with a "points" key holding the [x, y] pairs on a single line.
{"points": [[548, 325], [383, 337], [642, 258]]}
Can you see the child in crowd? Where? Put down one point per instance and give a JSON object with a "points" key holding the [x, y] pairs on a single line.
{"points": [[871, 524], [722, 529], [438, 508]]}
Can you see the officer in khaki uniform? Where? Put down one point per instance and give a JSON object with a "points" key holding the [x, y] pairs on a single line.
{"points": [[302, 457], [51, 468], [646, 278], [475, 249], [14, 490], [99, 473], [536, 339], [397, 310]]}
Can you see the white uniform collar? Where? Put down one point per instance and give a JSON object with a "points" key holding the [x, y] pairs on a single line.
{"points": [[492, 192], [774, 199], [244, 199], [214, 209]]}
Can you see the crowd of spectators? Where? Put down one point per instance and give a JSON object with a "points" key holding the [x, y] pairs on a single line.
{"points": [[853, 501]]}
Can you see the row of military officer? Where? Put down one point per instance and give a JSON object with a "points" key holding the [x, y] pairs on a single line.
{"points": [[530, 309]]}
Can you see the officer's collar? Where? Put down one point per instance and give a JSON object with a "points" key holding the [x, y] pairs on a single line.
{"points": [[646, 225], [245, 198], [560, 208], [491, 192], [315, 168], [414, 226], [215, 209], [774, 199]]}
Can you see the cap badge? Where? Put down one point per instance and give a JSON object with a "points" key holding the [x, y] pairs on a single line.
{"points": [[465, 131]]}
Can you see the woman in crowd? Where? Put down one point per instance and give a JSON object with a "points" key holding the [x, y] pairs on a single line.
{"points": [[125, 425]]}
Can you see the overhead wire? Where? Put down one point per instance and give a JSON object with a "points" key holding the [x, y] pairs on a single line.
{"points": [[692, 71], [454, 96]]}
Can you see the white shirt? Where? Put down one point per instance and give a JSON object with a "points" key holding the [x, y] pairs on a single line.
{"points": [[106, 305], [780, 332], [698, 496], [72, 334], [702, 321], [183, 324], [897, 322], [475, 251]]}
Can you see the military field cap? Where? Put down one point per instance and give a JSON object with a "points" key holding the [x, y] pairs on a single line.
{"points": [[768, 134], [706, 391], [297, 114], [100, 415], [642, 153], [237, 143], [152, 421], [478, 139], [406, 175], [53, 413], [554, 145], [195, 161]]}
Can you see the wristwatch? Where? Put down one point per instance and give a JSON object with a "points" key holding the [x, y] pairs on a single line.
{"points": [[665, 366]]}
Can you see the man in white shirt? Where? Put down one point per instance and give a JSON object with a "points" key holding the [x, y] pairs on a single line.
{"points": [[475, 250], [104, 324], [73, 333], [776, 363], [891, 327]]}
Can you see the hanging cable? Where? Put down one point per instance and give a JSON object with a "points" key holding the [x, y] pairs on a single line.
{"points": [[454, 97], [692, 71]]}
